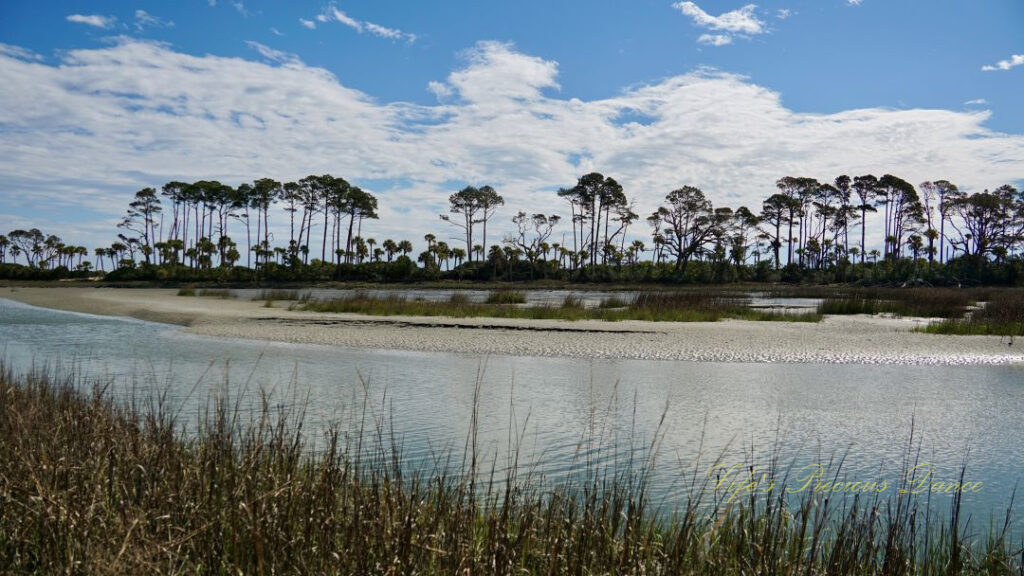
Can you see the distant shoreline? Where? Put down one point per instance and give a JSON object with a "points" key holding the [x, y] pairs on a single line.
{"points": [[838, 340]]}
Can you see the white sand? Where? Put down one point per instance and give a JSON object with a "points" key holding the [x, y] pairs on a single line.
{"points": [[839, 339]]}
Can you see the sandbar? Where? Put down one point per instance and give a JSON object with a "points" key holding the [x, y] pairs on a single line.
{"points": [[837, 339]]}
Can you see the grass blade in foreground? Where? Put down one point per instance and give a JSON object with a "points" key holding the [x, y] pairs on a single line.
{"points": [[90, 486]]}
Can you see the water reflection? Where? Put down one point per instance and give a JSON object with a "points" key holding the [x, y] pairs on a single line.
{"points": [[566, 411]]}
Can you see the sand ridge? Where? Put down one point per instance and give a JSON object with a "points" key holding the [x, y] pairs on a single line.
{"points": [[838, 339]]}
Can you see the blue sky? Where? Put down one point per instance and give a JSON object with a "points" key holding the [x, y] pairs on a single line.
{"points": [[413, 99]]}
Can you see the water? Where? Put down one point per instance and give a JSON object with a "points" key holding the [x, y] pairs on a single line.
{"points": [[565, 411]]}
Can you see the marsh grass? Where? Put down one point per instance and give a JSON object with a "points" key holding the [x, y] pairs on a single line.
{"points": [[222, 293], [279, 294], [612, 302], [911, 302], [93, 486], [572, 302], [657, 306], [1002, 315], [506, 297], [458, 299]]}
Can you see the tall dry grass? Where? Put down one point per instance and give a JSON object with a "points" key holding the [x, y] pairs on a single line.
{"points": [[89, 485]]}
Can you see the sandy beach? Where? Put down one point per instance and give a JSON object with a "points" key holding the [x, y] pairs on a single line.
{"points": [[838, 339]]}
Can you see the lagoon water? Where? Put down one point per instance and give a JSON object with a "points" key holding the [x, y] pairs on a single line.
{"points": [[562, 413]]}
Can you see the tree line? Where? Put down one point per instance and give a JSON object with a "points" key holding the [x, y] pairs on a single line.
{"points": [[805, 227]]}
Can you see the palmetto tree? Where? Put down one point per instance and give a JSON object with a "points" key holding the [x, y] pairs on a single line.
{"points": [[390, 247]]}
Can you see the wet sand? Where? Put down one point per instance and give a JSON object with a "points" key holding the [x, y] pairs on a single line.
{"points": [[837, 339]]}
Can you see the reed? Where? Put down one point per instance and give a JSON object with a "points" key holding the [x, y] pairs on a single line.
{"points": [[914, 302], [458, 299], [612, 302], [93, 486], [278, 294], [1003, 315], [506, 297], [572, 302]]}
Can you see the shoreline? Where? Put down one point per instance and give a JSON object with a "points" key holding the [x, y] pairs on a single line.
{"points": [[837, 339]]}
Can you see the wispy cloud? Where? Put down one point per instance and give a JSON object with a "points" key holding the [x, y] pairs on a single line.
{"points": [[273, 55], [854, 2], [19, 52], [144, 20], [93, 20], [976, 102], [240, 8], [741, 22], [783, 13], [715, 39], [333, 13], [345, 19], [1011, 62]]}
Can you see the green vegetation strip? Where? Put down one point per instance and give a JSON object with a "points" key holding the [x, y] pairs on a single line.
{"points": [[683, 306], [91, 486], [1001, 316], [915, 302]]}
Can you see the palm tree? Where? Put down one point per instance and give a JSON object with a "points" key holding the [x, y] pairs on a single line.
{"points": [[443, 253], [370, 243], [459, 255], [390, 248], [405, 247]]}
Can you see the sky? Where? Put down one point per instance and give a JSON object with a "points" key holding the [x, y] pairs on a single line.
{"points": [[415, 100]]}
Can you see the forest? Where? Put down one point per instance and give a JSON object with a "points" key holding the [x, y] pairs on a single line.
{"points": [[862, 229]]}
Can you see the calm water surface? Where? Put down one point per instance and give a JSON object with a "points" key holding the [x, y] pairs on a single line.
{"points": [[568, 410]]}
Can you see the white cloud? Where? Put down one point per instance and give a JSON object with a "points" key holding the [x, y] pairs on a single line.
{"points": [[390, 33], [308, 23], [743, 22], [240, 8], [92, 20], [83, 134], [715, 39], [144, 19], [440, 89], [18, 52], [332, 12], [345, 19], [272, 54], [783, 13], [854, 2], [977, 102], [1011, 62]]}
